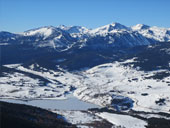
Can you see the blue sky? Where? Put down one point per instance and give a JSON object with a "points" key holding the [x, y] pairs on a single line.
{"points": [[21, 15]]}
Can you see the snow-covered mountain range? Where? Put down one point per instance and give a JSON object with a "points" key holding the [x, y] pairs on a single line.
{"points": [[111, 35]]}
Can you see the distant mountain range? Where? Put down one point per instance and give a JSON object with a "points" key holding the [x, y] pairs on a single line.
{"points": [[113, 35]]}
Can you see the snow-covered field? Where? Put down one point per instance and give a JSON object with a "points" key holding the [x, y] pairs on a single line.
{"points": [[71, 103], [123, 120], [111, 85], [101, 85], [86, 119], [80, 118], [19, 85]]}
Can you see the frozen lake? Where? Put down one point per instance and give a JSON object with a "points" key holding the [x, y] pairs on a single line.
{"points": [[72, 103]]}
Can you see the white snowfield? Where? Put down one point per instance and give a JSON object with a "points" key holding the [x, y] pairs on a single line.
{"points": [[123, 120], [21, 86], [98, 85], [83, 118], [79, 117]]}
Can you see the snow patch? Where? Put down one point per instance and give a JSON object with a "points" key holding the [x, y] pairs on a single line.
{"points": [[123, 120]]}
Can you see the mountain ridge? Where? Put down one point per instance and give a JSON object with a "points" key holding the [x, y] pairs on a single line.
{"points": [[111, 35]]}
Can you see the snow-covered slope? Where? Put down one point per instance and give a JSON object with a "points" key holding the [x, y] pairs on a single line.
{"points": [[49, 36], [44, 31], [74, 29], [111, 35], [7, 37], [110, 28], [49, 30], [123, 120], [117, 38], [154, 33]]}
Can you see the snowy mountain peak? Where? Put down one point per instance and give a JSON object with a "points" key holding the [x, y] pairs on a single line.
{"points": [[114, 34], [42, 31], [78, 29], [140, 27], [153, 33], [74, 29], [110, 28], [116, 25], [63, 27]]}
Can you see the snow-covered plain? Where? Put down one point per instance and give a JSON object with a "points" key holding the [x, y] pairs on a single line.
{"points": [[123, 120], [71, 103], [84, 118], [100, 85], [79, 117], [19, 85]]}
